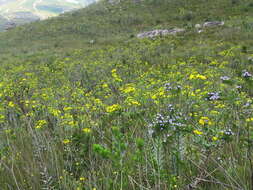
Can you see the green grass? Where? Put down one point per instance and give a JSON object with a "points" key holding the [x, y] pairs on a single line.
{"points": [[124, 113]]}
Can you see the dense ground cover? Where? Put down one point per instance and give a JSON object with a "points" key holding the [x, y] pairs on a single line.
{"points": [[124, 113]]}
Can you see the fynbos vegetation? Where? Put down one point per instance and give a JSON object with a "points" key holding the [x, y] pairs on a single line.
{"points": [[87, 105]]}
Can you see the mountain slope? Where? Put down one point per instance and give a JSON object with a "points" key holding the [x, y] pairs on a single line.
{"points": [[122, 20], [85, 104]]}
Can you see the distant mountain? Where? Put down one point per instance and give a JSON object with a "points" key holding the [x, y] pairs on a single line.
{"points": [[24, 11], [2, 22]]}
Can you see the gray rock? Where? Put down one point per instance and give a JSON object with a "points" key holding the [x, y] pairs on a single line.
{"points": [[155, 33], [9, 25], [113, 2], [198, 26], [118, 1], [213, 23]]}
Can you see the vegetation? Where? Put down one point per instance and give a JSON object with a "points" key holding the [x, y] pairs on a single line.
{"points": [[87, 105]]}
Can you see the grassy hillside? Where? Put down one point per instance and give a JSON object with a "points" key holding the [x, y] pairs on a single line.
{"points": [[87, 105]]}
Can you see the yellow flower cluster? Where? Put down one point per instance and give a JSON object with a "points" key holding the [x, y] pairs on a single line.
{"points": [[249, 119], [66, 141], [204, 121], [86, 130], [67, 108], [130, 101], [11, 104], [197, 76], [40, 124], [115, 75], [128, 88], [197, 132], [54, 112], [113, 108]]}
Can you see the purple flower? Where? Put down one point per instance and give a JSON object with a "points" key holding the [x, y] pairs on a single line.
{"points": [[225, 78], [213, 96], [246, 74]]}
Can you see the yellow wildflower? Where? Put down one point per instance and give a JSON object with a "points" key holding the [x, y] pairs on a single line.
{"points": [[66, 141], [134, 102], [215, 138], [249, 119], [128, 89], [220, 106], [113, 108], [11, 104], [114, 71], [67, 108], [86, 130], [202, 77], [98, 101], [115, 76], [130, 101], [54, 112], [197, 76], [38, 127], [161, 93], [40, 124], [205, 120], [2, 117], [197, 132], [105, 85], [192, 76], [214, 112], [71, 123], [154, 96]]}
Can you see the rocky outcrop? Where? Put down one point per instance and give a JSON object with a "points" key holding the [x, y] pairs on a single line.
{"points": [[156, 33], [209, 24], [250, 59], [118, 1], [213, 24], [200, 27], [9, 25]]}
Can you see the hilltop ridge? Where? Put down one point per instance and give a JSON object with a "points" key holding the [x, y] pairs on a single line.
{"points": [[105, 21]]}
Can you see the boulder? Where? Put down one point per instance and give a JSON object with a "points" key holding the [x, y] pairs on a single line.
{"points": [[9, 25], [250, 59], [213, 24], [198, 26], [155, 33]]}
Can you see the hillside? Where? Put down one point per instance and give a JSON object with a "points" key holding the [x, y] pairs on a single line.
{"points": [[86, 104]]}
